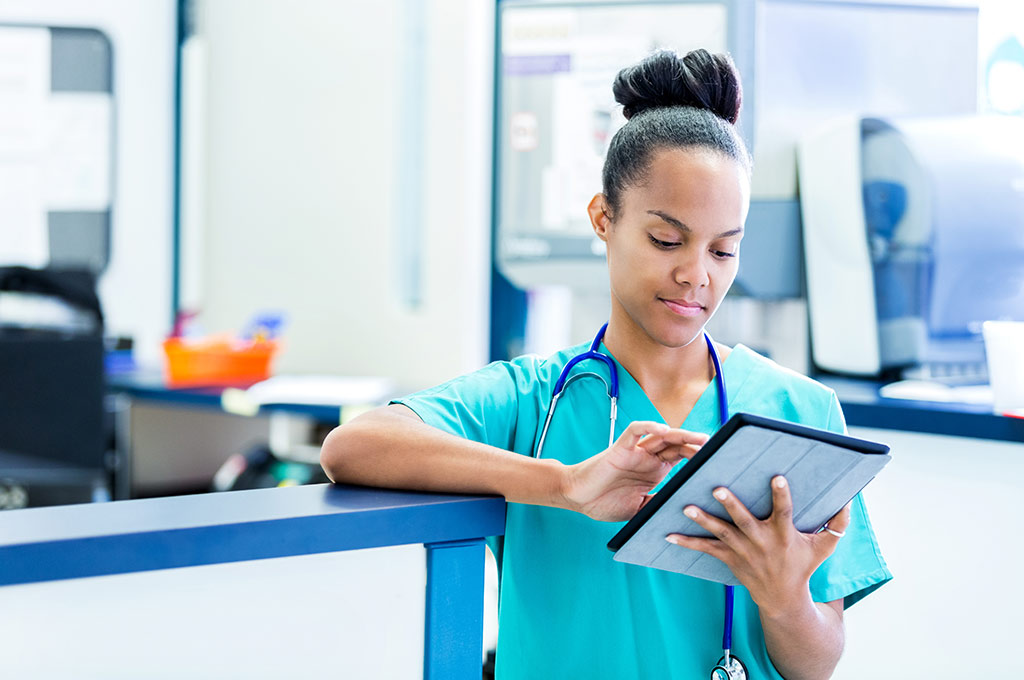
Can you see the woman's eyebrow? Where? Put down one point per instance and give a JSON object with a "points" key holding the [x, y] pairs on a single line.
{"points": [[671, 220], [682, 227]]}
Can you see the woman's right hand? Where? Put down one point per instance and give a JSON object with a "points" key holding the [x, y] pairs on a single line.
{"points": [[613, 485]]}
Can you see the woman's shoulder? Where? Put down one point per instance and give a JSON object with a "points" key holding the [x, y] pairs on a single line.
{"points": [[767, 381], [768, 370], [529, 367]]}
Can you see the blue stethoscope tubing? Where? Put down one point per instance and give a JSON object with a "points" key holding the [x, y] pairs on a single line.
{"points": [[613, 394], [723, 416], [563, 381]]}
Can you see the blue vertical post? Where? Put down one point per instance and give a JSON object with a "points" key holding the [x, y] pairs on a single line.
{"points": [[453, 638]]}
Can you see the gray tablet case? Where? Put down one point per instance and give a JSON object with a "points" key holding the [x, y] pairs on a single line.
{"points": [[824, 470]]}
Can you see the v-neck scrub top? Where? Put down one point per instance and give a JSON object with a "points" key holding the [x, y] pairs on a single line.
{"points": [[566, 608]]}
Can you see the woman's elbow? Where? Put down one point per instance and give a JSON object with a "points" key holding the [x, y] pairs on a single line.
{"points": [[352, 452], [334, 452]]}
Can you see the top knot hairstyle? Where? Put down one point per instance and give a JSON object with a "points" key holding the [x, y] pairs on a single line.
{"points": [[699, 79], [670, 101]]}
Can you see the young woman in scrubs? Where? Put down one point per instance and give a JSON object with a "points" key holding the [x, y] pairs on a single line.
{"points": [[676, 189]]}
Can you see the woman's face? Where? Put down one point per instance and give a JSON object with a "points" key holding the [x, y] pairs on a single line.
{"points": [[673, 247]]}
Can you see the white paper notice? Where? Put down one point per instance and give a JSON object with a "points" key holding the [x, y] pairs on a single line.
{"points": [[24, 239], [24, 90], [77, 160], [552, 198]]}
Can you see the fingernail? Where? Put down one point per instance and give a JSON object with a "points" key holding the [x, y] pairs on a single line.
{"points": [[780, 482], [672, 539], [720, 494], [690, 512]]}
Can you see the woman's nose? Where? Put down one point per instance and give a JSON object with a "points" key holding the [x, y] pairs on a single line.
{"points": [[691, 269]]}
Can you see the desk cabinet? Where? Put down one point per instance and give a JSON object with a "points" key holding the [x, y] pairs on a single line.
{"points": [[175, 440], [945, 514]]}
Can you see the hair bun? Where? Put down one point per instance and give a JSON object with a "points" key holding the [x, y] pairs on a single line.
{"points": [[699, 79]]}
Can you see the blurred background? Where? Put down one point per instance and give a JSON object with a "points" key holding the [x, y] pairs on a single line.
{"points": [[227, 225]]}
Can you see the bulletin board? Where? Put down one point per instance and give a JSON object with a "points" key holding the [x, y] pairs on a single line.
{"points": [[56, 146], [556, 115], [801, 62]]}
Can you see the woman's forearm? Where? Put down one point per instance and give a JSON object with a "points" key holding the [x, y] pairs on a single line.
{"points": [[806, 641], [391, 447]]}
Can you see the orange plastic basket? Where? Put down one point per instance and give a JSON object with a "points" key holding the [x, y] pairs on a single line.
{"points": [[217, 362]]}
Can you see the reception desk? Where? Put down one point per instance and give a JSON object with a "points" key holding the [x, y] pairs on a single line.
{"points": [[129, 537], [945, 512]]}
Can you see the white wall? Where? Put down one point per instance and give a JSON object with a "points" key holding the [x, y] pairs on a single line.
{"points": [[353, 614], [302, 183], [945, 511]]}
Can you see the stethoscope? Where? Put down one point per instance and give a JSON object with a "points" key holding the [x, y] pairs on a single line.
{"points": [[728, 667]]}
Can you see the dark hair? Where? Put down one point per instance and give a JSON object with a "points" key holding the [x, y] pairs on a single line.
{"points": [[673, 102]]}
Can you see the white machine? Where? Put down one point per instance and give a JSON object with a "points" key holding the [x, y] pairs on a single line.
{"points": [[913, 236]]}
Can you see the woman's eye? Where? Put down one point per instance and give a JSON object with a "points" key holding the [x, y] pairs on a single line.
{"points": [[722, 253], [664, 245]]}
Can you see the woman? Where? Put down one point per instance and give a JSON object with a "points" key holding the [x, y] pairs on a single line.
{"points": [[675, 199]]}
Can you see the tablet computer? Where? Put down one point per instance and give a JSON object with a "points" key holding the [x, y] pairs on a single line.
{"points": [[824, 470]]}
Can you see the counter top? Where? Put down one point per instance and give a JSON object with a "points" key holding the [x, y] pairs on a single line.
{"points": [[152, 386], [864, 407], [73, 541]]}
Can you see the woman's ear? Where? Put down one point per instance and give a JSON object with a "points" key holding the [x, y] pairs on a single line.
{"points": [[600, 218]]}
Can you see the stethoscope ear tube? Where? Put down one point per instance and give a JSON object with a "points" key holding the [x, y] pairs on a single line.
{"points": [[611, 425], [547, 422]]}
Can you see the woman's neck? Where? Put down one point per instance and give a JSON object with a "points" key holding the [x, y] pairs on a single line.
{"points": [[659, 370]]}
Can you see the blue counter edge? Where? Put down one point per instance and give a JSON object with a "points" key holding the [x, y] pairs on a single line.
{"points": [[863, 406], [950, 422], [75, 541], [151, 387]]}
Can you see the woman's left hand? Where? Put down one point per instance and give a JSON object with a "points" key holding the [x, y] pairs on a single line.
{"points": [[770, 557]]}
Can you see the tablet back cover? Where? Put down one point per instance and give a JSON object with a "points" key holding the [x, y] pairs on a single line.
{"points": [[822, 477]]}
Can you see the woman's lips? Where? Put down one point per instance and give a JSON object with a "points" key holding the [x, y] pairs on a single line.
{"points": [[683, 308]]}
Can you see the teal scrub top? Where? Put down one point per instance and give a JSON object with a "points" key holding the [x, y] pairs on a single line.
{"points": [[566, 608]]}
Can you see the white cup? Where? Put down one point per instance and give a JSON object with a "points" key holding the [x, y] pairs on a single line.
{"points": [[1004, 349]]}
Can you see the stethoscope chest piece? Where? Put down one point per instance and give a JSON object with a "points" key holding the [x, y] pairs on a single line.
{"points": [[729, 668]]}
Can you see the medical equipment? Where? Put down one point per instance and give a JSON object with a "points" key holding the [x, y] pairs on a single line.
{"points": [[564, 381], [728, 667], [913, 237]]}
